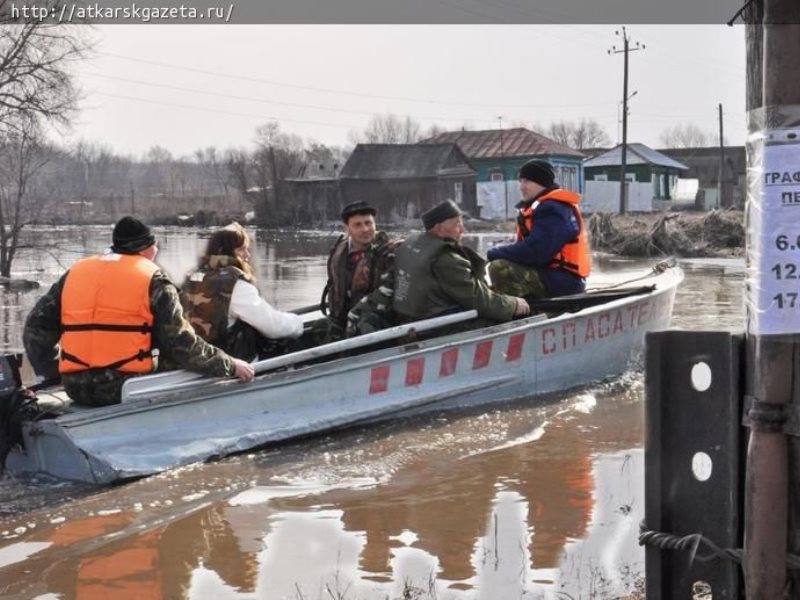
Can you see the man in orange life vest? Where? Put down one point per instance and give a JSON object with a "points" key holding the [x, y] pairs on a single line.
{"points": [[115, 316], [551, 256]]}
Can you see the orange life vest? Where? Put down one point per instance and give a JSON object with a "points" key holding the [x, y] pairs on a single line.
{"points": [[575, 256], [106, 318]]}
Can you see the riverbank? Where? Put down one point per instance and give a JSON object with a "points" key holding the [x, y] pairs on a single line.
{"points": [[716, 234]]}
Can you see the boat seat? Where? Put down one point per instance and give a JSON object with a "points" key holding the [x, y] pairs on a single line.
{"points": [[55, 400]]}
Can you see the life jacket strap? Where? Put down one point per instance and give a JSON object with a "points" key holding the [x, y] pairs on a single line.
{"points": [[143, 328]]}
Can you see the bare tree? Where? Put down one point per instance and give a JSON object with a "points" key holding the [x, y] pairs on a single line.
{"points": [[35, 57], [278, 155], [91, 168], [236, 163], [561, 132], [589, 134], [159, 173], [686, 135], [35, 85], [23, 154], [586, 133], [433, 131], [213, 167], [388, 129]]}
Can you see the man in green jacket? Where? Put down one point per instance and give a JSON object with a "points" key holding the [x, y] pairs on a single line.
{"points": [[435, 274]]}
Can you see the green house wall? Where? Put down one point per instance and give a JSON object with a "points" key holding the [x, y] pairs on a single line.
{"points": [[510, 167], [642, 173]]}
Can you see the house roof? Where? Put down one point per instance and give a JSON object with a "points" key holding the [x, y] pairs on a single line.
{"points": [[503, 143], [636, 154], [736, 155], [405, 161]]}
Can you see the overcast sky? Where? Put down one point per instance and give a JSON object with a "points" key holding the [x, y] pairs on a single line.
{"points": [[185, 87]]}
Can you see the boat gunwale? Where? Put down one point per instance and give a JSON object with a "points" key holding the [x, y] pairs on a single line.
{"points": [[224, 387]]}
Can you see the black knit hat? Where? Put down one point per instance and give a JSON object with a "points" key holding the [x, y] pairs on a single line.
{"points": [[538, 171], [357, 208], [131, 236], [440, 212]]}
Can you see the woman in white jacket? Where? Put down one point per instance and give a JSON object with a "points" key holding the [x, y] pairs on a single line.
{"points": [[223, 304]]}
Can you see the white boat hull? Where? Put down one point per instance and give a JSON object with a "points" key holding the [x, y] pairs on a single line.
{"points": [[210, 418]]}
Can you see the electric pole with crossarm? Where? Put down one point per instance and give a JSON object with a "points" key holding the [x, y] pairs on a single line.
{"points": [[625, 50]]}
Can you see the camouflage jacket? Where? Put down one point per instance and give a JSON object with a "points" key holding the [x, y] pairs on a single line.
{"points": [[347, 283], [173, 336], [435, 276], [206, 298]]}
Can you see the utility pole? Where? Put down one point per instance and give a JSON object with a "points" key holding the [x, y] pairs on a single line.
{"points": [[626, 49], [771, 478], [721, 187], [503, 165]]}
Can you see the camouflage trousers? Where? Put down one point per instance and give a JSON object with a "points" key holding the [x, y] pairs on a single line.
{"points": [[316, 333], [515, 279], [95, 387]]}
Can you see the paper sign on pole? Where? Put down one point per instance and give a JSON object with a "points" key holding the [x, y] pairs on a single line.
{"points": [[774, 271]]}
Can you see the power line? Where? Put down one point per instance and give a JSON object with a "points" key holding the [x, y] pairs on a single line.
{"points": [[259, 100], [333, 91], [224, 112]]}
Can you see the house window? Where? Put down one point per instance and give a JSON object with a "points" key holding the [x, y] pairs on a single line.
{"points": [[496, 175], [601, 177], [458, 191], [568, 178], [656, 185]]}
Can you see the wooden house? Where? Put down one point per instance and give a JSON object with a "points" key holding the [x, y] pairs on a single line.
{"points": [[404, 180], [650, 177], [314, 193], [497, 155], [704, 165]]}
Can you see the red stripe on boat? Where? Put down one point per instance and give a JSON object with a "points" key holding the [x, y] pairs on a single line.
{"points": [[483, 352], [415, 369], [449, 362], [514, 351], [379, 379]]}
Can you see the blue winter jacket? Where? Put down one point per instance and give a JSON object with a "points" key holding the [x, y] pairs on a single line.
{"points": [[554, 225]]}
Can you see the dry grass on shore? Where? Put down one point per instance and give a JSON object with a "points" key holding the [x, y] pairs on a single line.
{"points": [[687, 234]]}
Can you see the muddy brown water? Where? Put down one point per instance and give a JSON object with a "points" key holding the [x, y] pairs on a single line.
{"points": [[534, 499]]}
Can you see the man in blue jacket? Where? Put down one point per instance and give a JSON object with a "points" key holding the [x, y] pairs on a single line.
{"points": [[551, 255]]}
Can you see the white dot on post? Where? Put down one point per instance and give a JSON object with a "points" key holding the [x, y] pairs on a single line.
{"points": [[701, 376], [701, 466]]}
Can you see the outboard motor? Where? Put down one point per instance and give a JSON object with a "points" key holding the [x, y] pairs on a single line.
{"points": [[17, 405]]}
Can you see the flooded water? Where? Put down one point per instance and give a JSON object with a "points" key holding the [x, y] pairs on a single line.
{"points": [[530, 500]]}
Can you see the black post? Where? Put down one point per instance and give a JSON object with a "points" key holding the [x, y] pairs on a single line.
{"points": [[721, 188]]}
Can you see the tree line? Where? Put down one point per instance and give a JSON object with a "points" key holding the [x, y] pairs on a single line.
{"points": [[43, 182]]}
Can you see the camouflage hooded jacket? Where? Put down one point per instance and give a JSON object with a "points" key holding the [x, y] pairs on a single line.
{"points": [[206, 297]]}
